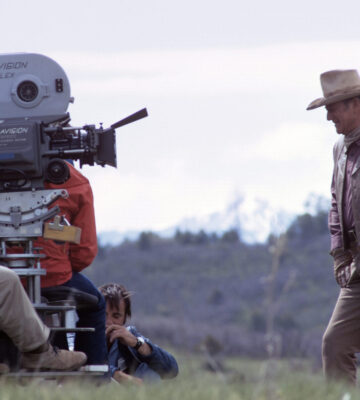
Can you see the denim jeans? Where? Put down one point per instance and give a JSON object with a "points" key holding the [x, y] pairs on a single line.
{"points": [[93, 343]]}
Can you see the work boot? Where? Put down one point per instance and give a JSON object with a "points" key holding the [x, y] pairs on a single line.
{"points": [[53, 359]]}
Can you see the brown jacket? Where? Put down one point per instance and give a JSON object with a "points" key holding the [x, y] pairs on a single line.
{"points": [[336, 221]]}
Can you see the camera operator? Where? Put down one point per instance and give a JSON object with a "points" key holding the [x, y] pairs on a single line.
{"points": [[64, 261]]}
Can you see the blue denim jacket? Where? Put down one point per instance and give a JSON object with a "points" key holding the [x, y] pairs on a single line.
{"points": [[158, 365]]}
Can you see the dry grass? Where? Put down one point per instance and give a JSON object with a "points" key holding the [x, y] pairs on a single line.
{"points": [[240, 380]]}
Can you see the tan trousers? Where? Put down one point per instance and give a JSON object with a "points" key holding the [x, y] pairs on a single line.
{"points": [[18, 319], [341, 339]]}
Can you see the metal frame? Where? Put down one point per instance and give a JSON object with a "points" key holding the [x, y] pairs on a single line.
{"points": [[22, 216]]}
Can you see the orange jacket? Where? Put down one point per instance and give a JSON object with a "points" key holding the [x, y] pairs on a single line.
{"points": [[78, 208]]}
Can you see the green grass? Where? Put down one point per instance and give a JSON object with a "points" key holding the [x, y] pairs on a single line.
{"points": [[243, 380]]}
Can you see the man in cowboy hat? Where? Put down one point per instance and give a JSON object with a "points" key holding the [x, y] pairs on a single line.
{"points": [[341, 340]]}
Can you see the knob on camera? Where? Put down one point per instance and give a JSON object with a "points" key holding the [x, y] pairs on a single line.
{"points": [[57, 171]]}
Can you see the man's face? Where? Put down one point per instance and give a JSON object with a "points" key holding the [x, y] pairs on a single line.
{"points": [[115, 316], [345, 116]]}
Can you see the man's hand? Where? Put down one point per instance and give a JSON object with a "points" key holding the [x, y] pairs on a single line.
{"points": [[342, 265], [342, 275], [121, 377], [114, 332], [120, 332]]}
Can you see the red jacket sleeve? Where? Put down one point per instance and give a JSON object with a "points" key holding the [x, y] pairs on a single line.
{"points": [[79, 210], [81, 255]]}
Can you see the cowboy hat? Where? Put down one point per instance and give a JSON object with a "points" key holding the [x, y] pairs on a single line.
{"points": [[337, 85]]}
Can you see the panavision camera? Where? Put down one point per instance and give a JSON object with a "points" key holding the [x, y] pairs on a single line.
{"points": [[35, 134]]}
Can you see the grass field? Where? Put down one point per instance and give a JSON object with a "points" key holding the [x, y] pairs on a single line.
{"points": [[243, 380]]}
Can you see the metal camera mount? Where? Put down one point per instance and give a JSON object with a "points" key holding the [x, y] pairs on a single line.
{"points": [[35, 141]]}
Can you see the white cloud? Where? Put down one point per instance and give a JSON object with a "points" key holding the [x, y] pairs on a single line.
{"points": [[125, 202], [284, 68], [193, 153], [301, 141]]}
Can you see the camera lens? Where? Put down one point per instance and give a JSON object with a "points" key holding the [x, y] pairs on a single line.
{"points": [[27, 91]]}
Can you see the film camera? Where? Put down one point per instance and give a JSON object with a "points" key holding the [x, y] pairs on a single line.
{"points": [[35, 135], [36, 139]]}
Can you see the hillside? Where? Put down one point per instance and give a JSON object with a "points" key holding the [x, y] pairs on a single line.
{"points": [[195, 286]]}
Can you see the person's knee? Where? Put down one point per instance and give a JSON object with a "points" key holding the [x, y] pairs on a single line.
{"points": [[332, 345], [101, 303], [8, 277]]}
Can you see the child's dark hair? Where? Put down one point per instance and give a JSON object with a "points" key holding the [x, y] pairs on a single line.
{"points": [[114, 293]]}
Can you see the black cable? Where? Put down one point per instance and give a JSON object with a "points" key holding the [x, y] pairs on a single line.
{"points": [[7, 180]]}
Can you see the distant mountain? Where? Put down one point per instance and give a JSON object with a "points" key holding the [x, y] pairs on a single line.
{"points": [[253, 219], [114, 238]]}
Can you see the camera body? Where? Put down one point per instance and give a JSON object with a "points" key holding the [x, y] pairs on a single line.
{"points": [[35, 140], [35, 135]]}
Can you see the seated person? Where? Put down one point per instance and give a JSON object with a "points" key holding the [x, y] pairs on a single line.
{"points": [[64, 261], [131, 356], [20, 322]]}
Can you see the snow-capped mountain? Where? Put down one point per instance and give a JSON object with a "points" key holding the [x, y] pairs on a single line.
{"points": [[254, 220]]}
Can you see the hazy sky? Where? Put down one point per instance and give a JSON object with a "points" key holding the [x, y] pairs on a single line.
{"points": [[226, 84]]}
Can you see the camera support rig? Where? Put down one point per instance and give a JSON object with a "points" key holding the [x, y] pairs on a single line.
{"points": [[35, 141], [22, 215]]}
